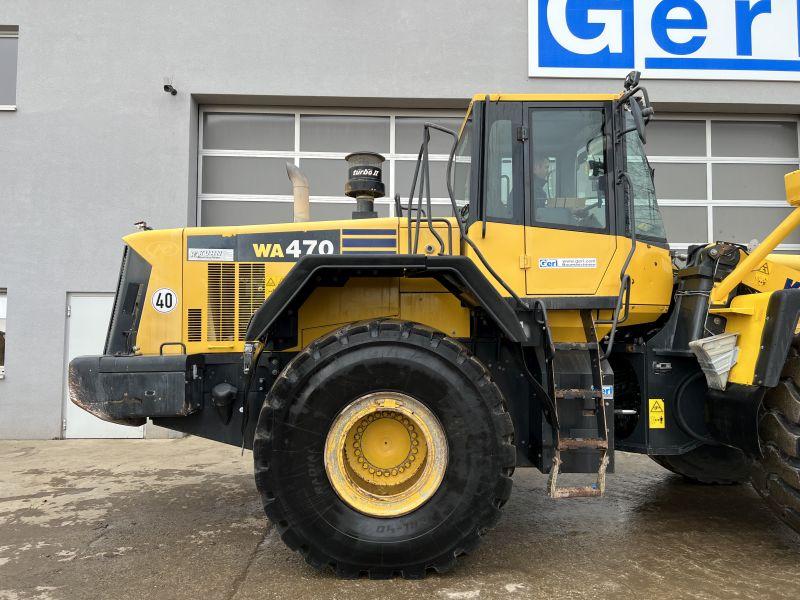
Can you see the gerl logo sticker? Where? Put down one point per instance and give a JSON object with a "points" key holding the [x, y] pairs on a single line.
{"points": [[567, 263]]}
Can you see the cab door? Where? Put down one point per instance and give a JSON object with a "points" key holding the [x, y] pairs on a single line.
{"points": [[568, 234], [498, 228]]}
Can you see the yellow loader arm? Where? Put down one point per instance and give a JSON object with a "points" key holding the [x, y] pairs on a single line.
{"points": [[765, 321]]}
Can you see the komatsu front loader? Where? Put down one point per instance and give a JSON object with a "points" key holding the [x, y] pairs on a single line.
{"points": [[390, 374]]}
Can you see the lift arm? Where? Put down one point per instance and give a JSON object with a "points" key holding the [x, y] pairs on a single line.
{"points": [[723, 289]]}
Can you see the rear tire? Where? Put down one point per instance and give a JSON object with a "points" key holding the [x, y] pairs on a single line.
{"points": [[710, 465], [776, 477], [323, 383]]}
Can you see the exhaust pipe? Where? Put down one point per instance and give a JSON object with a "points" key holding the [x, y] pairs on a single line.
{"points": [[300, 193]]}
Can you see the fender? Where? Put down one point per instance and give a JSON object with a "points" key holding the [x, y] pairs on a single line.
{"points": [[275, 321], [783, 313]]}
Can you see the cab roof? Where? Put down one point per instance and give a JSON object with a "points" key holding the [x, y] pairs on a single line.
{"points": [[546, 97]]}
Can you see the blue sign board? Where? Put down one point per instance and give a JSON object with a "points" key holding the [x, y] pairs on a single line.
{"points": [[667, 39]]}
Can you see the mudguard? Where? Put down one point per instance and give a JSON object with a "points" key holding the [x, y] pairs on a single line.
{"points": [[276, 319]]}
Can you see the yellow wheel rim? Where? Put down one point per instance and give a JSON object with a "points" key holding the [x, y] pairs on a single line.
{"points": [[385, 454]]}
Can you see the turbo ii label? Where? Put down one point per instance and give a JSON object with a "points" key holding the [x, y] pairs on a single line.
{"points": [[287, 246], [567, 263], [371, 172]]}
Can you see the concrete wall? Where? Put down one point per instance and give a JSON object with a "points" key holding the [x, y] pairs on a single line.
{"points": [[96, 145]]}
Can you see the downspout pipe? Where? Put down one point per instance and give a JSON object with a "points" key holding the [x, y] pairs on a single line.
{"points": [[300, 193]]}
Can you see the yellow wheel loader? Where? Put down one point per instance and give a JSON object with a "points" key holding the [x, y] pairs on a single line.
{"points": [[390, 374]]}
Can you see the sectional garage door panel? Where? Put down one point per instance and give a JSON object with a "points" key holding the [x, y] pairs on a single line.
{"points": [[720, 177], [717, 176], [243, 155]]}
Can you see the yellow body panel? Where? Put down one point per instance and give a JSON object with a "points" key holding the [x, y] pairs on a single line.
{"points": [[164, 251], [746, 315], [749, 324], [788, 260], [548, 244], [502, 247], [217, 299]]}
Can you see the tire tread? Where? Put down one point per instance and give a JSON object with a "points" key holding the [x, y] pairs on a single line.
{"points": [[421, 335]]}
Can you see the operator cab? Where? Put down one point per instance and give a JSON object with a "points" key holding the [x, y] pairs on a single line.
{"points": [[551, 174], [572, 149]]}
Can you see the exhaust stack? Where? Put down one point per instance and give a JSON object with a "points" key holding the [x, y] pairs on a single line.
{"points": [[300, 193]]}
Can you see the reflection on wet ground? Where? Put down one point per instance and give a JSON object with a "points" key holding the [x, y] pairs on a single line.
{"points": [[180, 518]]}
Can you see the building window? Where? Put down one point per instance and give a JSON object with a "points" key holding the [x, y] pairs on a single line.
{"points": [[3, 304], [9, 38], [243, 152], [720, 178]]}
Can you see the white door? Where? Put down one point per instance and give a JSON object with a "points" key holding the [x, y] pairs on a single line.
{"points": [[87, 325]]}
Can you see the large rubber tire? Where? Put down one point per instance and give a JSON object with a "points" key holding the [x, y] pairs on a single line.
{"points": [[710, 465], [330, 373], [776, 477]]}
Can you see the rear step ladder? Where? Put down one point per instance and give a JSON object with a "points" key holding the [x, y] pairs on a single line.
{"points": [[580, 364]]}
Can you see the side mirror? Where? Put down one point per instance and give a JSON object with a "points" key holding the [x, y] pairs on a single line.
{"points": [[638, 119]]}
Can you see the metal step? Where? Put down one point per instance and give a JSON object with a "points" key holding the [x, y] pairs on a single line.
{"points": [[576, 367], [582, 444], [577, 394], [595, 490]]}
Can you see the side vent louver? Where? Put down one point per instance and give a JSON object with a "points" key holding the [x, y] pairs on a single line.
{"points": [[194, 319], [221, 302], [251, 293]]}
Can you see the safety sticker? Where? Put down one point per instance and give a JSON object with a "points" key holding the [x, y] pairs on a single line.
{"points": [[164, 300], [657, 414], [567, 263]]}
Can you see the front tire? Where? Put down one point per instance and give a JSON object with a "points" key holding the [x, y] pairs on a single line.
{"points": [[776, 477], [315, 505]]}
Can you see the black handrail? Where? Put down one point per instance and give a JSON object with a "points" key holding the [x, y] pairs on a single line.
{"points": [[423, 165]]}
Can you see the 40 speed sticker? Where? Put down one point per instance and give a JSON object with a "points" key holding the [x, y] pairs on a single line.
{"points": [[164, 300]]}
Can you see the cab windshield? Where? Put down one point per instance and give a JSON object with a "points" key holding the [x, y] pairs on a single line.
{"points": [[649, 222]]}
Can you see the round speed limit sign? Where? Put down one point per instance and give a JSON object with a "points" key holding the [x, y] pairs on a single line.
{"points": [[164, 300]]}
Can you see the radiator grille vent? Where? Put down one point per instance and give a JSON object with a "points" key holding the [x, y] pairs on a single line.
{"points": [[251, 293], [194, 318], [221, 302]]}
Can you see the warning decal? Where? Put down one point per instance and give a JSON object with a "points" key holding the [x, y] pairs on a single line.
{"points": [[657, 414]]}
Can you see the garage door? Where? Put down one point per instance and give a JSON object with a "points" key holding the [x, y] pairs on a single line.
{"points": [[87, 324], [720, 177], [243, 153]]}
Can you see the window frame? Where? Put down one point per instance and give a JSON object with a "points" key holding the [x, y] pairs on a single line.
{"points": [[12, 32]]}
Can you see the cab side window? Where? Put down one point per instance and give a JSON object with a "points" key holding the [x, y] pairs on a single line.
{"points": [[568, 168], [499, 172]]}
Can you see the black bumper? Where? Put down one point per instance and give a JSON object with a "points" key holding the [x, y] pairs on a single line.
{"points": [[128, 389]]}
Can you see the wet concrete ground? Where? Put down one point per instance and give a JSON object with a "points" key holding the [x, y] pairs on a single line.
{"points": [[181, 519]]}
